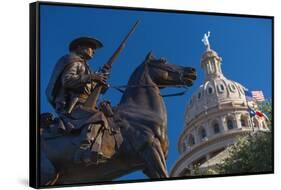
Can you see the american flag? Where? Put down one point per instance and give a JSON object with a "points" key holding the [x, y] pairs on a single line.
{"points": [[258, 96]]}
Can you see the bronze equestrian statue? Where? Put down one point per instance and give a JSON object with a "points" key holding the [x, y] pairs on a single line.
{"points": [[87, 143], [140, 119]]}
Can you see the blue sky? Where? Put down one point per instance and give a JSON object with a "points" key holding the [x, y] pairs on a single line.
{"points": [[243, 43]]}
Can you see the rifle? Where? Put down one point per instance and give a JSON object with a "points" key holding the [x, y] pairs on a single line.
{"points": [[92, 99]]}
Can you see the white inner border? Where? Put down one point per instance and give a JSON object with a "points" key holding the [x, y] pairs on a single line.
{"points": [[14, 93]]}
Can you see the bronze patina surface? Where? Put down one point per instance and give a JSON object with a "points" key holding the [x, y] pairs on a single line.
{"points": [[87, 143]]}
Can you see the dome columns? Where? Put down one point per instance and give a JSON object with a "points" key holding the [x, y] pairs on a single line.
{"points": [[211, 64]]}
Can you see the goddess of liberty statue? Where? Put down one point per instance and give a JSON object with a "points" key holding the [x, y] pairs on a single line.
{"points": [[205, 40]]}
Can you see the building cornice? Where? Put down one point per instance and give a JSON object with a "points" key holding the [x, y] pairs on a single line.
{"points": [[217, 138], [224, 108]]}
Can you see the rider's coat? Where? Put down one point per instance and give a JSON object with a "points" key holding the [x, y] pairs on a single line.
{"points": [[69, 87]]}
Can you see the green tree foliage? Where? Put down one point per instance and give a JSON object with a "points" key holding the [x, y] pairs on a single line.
{"points": [[197, 171], [252, 153]]}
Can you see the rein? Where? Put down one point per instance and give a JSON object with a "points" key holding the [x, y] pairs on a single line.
{"points": [[122, 88]]}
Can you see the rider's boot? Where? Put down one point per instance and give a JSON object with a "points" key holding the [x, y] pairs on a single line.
{"points": [[89, 151]]}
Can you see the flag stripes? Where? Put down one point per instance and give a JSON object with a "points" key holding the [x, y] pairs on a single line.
{"points": [[258, 96]]}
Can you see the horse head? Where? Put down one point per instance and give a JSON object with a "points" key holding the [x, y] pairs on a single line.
{"points": [[164, 74]]}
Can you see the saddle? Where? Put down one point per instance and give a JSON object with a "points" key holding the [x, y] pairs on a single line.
{"points": [[111, 138]]}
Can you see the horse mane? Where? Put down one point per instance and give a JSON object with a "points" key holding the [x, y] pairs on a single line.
{"points": [[138, 72]]}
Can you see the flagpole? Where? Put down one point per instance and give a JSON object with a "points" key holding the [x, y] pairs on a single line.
{"points": [[251, 120]]}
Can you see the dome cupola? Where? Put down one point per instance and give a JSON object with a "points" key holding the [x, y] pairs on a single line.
{"points": [[210, 61], [216, 89]]}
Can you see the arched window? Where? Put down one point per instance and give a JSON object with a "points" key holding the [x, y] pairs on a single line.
{"points": [[185, 144], [241, 90], [216, 128], [210, 68], [183, 147], [199, 95], [220, 88], [232, 87], [191, 140], [210, 90], [230, 124], [243, 121], [202, 133], [256, 123]]}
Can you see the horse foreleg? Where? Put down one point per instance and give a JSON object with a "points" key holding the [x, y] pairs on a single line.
{"points": [[155, 163]]}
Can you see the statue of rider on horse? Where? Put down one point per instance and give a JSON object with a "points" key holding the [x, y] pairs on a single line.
{"points": [[86, 142]]}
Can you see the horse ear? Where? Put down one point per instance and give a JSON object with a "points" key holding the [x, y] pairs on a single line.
{"points": [[149, 56]]}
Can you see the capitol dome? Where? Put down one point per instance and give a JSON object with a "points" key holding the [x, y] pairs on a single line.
{"points": [[216, 115], [216, 89]]}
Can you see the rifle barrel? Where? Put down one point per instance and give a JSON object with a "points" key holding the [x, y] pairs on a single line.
{"points": [[121, 46], [92, 99]]}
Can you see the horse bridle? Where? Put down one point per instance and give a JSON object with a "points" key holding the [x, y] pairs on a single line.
{"points": [[121, 88], [169, 69]]}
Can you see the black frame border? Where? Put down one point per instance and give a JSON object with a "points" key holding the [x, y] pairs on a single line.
{"points": [[34, 102], [34, 91]]}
